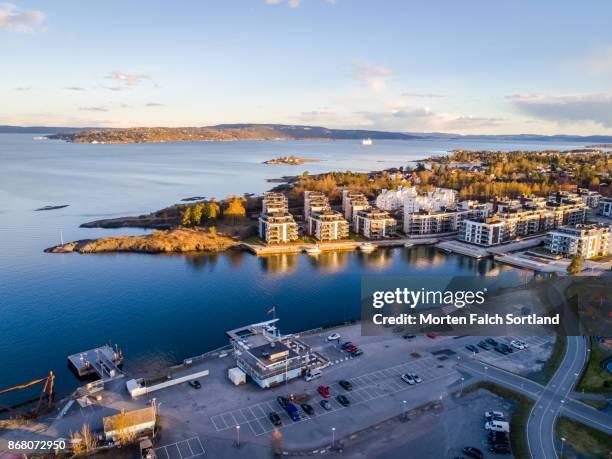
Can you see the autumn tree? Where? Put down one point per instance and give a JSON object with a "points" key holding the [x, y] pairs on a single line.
{"points": [[575, 265], [196, 214], [235, 209], [212, 210], [186, 220]]}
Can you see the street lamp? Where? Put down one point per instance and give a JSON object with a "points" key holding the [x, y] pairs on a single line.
{"points": [[333, 437], [562, 446], [461, 391], [486, 368], [404, 411], [237, 436]]}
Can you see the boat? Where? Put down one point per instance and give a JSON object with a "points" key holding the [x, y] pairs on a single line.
{"points": [[448, 251], [367, 247], [313, 250], [408, 244], [366, 141]]}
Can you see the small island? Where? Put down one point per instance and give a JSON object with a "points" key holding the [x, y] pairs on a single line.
{"points": [[61, 206], [292, 160]]}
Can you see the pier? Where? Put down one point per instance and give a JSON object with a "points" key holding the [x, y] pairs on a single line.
{"points": [[103, 361]]}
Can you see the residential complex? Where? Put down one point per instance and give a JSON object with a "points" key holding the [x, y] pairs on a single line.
{"points": [[374, 223], [605, 207], [431, 201], [352, 202], [586, 241], [314, 201], [390, 200], [328, 226], [424, 223], [487, 232], [276, 224]]}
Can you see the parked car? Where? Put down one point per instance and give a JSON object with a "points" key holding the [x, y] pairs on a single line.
{"points": [[497, 426], [491, 341], [351, 348], [346, 345], [195, 384], [343, 400], [417, 379], [308, 409], [501, 350], [491, 414], [333, 337], [472, 348], [407, 378], [408, 336], [313, 374], [293, 412], [518, 344], [506, 348], [356, 352], [432, 335], [325, 404], [484, 345], [346, 385], [282, 401], [275, 419], [324, 391], [472, 452]]}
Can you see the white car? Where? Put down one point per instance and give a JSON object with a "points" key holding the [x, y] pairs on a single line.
{"points": [[333, 337], [517, 344], [496, 415], [417, 378], [407, 378]]}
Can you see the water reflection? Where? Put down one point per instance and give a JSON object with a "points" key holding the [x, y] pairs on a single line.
{"points": [[281, 263], [330, 262], [377, 260], [201, 261]]}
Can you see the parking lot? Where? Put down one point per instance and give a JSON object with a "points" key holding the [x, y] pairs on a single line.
{"points": [[367, 387], [184, 449]]}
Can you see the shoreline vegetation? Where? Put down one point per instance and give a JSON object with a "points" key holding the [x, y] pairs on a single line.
{"points": [[476, 175]]}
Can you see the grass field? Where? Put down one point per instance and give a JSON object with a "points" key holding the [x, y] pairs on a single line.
{"points": [[595, 378], [583, 439]]}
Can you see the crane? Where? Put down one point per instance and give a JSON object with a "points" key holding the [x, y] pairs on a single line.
{"points": [[46, 390]]}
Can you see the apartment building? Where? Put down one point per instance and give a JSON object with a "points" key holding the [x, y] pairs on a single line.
{"points": [[476, 210], [314, 201], [432, 222], [568, 212], [586, 241], [590, 198], [390, 200], [278, 228], [374, 223], [274, 203], [352, 202], [328, 225], [605, 207], [432, 201], [486, 232]]}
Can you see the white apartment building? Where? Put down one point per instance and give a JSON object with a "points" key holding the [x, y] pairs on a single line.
{"points": [[590, 198], [352, 202], [432, 201], [278, 228], [274, 203], [424, 223], [394, 200], [487, 232], [586, 241], [374, 224], [605, 207], [315, 201], [328, 226]]}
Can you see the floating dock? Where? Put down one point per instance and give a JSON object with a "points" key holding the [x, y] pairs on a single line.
{"points": [[103, 361]]}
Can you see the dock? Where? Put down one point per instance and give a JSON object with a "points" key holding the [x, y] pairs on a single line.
{"points": [[103, 361]]}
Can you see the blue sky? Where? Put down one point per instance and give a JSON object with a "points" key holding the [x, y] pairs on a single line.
{"points": [[469, 66]]}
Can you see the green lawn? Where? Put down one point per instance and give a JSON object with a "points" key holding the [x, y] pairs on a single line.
{"points": [[596, 379], [582, 439], [549, 368]]}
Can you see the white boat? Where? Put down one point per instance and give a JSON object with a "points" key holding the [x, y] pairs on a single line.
{"points": [[408, 244], [313, 250], [367, 247], [366, 141]]}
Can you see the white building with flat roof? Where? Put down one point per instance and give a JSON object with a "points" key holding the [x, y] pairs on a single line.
{"points": [[586, 241], [605, 207], [391, 200], [328, 226], [374, 223], [487, 232], [431, 201], [352, 202]]}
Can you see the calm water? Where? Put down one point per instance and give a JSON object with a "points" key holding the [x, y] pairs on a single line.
{"points": [[161, 309]]}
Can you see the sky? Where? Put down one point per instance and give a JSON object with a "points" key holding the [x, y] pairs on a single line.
{"points": [[457, 66]]}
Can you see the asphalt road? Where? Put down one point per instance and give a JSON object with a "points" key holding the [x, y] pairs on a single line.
{"points": [[550, 400]]}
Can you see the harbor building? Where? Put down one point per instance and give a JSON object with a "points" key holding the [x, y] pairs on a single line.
{"points": [[269, 358], [276, 224], [278, 228], [425, 223], [314, 201], [485, 232], [328, 226], [586, 241], [605, 207], [274, 203], [374, 224], [353, 202]]}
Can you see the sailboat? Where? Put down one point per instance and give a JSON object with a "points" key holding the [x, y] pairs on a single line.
{"points": [[366, 141]]}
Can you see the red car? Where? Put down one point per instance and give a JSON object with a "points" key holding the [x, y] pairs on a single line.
{"points": [[432, 335], [351, 348], [324, 391]]}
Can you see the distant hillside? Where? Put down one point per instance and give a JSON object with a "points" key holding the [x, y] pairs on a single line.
{"points": [[222, 132], [37, 129]]}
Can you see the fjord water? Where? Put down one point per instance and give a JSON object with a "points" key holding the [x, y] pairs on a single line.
{"points": [[161, 309]]}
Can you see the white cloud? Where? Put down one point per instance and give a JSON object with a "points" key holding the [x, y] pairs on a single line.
{"points": [[126, 79], [596, 108], [23, 88], [373, 76], [75, 88], [423, 95], [154, 104], [93, 109], [23, 21], [293, 3]]}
